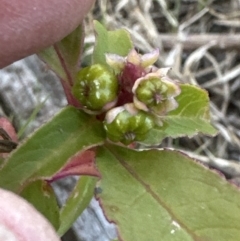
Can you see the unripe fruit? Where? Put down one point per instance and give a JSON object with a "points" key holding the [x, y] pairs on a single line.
{"points": [[155, 94], [127, 126], [96, 88]]}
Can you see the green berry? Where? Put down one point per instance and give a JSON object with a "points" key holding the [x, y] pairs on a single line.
{"points": [[127, 127], [155, 94], [152, 92], [96, 88]]}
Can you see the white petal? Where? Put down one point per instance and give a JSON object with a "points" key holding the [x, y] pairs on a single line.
{"points": [[174, 88], [149, 58], [133, 57], [130, 108], [163, 71], [136, 84], [112, 114], [115, 61], [140, 105], [171, 104]]}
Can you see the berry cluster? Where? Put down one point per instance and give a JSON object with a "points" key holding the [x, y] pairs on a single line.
{"points": [[132, 94]]}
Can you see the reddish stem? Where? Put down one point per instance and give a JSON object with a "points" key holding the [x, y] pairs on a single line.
{"points": [[70, 98]]}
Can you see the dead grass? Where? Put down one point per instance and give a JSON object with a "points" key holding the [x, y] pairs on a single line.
{"points": [[200, 41]]}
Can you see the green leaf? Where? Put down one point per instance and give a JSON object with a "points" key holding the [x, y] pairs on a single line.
{"points": [[164, 195], [31, 118], [191, 117], [115, 42], [50, 148], [76, 202], [41, 195], [63, 57], [1, 160]]}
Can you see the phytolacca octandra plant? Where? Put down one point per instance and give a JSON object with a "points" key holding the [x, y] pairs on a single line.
{"points": [[133, 94]]}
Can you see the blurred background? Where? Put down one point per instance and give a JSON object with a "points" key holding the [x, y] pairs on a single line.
{"points": [[199, 40]]}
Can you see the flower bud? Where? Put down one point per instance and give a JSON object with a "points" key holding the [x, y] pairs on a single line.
{"points": [[118, 62], [129, 69], [96, 88], [127, 124]]}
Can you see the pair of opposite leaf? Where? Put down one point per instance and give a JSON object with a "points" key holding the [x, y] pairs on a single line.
{"points": [[131, 92]]}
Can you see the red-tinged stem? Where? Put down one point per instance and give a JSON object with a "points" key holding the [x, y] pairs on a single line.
{"points": [[82, 163], [62, 61], [68, 83], [70, 98]]}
